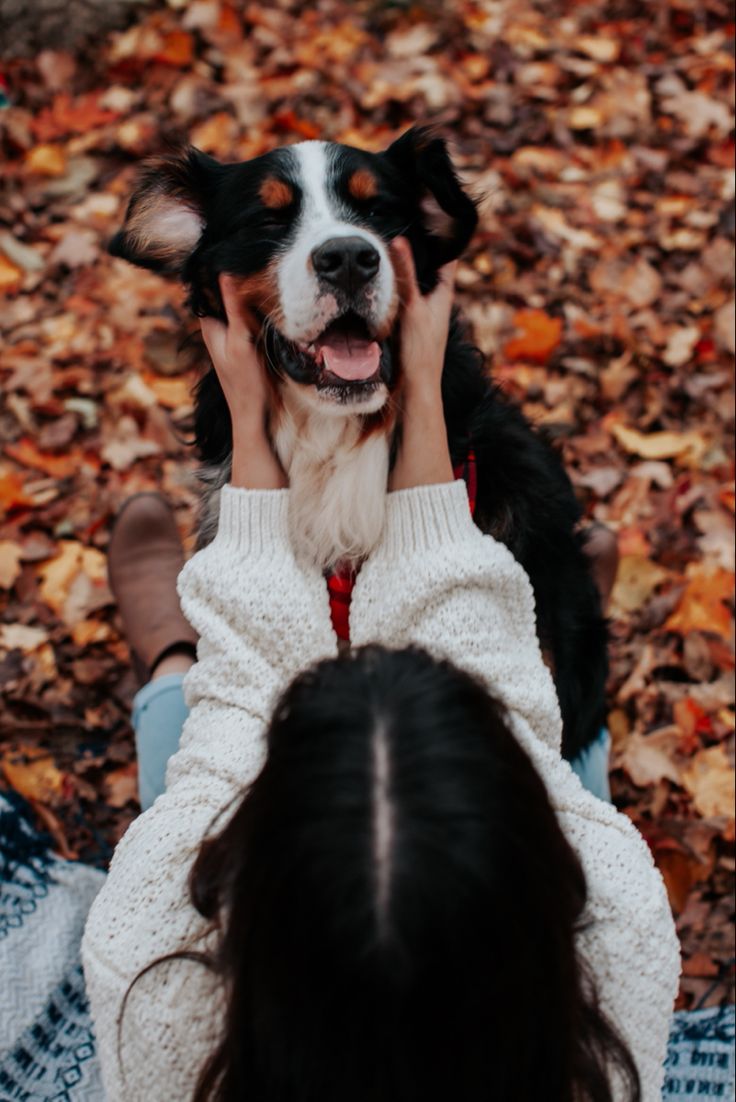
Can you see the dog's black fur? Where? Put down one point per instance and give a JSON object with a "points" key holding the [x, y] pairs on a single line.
{"points": [[524, 496]]}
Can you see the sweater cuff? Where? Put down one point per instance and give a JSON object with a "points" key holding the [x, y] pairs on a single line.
{"points": [[255, 521], [425, 517]]}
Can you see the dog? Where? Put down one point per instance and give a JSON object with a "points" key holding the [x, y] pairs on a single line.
{"points": [[306, 231]]}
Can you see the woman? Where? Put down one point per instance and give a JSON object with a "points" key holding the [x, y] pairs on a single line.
{"points": [[415, 898]]}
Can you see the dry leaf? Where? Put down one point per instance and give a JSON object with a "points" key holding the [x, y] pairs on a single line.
{"points": [[75, 582], [710, 781], [47, 160], [689, 446], [11, 275], [32, 773], [23, 637], [636, 580], [10, 555], [703, 607], [538, 337], [650, 758], [121, 785]]}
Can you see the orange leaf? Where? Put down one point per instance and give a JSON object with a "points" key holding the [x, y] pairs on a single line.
{"points": [[287, 120], [47, 160], [10, 275], [702, 606], [539, 336], [12, 493], [72, 116], [177, 49], [174, 392], [27, 454], [33, 774]]}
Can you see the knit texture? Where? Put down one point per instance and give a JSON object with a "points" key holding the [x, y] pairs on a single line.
{"points": [[436, 581]]}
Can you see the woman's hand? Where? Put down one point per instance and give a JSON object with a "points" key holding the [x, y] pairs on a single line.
{"points": [[424, 457], [246, 389]]}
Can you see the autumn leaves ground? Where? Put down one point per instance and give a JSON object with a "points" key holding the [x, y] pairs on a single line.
{"points": [[600, 287]]}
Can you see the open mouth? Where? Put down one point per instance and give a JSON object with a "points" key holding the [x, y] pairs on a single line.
{"points": [[345, 353]]}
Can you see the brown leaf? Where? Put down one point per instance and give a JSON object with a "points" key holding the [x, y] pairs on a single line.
{"points": [[702, 607], [710, 781], [636, 580], [33, 773], [650, 758], [121, 785], [10, 556]]}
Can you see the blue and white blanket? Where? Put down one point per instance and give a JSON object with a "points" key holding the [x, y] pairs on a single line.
{"points": [[47, 1047]]}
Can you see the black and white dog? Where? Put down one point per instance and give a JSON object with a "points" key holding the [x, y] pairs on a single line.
{"points": [[306, 229]]}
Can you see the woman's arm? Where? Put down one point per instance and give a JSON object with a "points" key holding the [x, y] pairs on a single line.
{"points": [[437, 582], [261, 618]]}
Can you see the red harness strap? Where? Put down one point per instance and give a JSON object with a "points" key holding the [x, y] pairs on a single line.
{"points": [[340, 582]]}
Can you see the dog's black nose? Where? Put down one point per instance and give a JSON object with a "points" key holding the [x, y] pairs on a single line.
{"points": [[346, 262]]}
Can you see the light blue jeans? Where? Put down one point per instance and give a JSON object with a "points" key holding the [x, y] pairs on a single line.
{"points": [[159, 712]]}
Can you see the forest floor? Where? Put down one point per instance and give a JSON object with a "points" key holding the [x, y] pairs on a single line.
{"points": [[599, 136]]}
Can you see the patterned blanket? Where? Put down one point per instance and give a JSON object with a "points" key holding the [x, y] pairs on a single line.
{"points": [[47, 1047]]}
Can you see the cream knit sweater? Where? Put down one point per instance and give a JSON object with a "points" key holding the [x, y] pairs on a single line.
{"points": [[435, 581]]}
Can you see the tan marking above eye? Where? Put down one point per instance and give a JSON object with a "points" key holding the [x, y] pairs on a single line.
{"points": [[363, 184], [276, 193]]}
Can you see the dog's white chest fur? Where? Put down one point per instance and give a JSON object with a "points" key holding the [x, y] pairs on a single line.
{"points": [[337, 479]]}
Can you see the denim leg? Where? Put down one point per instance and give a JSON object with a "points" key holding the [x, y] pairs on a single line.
{"points": [[159, 712], [591, 766]]}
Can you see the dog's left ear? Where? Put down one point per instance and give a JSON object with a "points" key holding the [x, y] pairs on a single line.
{"points": [[449, 214]]}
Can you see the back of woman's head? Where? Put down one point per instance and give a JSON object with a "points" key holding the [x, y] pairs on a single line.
{"points": [[398, 905]]}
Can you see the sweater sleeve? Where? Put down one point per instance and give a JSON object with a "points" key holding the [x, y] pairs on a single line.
{"points": [[262, 619], [436, 581]]}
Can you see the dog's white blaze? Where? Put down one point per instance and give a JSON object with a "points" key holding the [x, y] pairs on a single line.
{"points": [[337, 483], [307, 310]]}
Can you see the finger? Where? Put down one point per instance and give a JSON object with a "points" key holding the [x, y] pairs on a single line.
{"points": [[215, 337], [405, 269], [233, 303]]}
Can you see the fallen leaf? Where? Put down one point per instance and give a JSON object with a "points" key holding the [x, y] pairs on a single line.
{"points": [[703, 607], [121, 785], [11, 275], [77, 249], [538, 337], [637, 281], [680, 345], [709, 779], [10, 556], [174, 392], [650, 758], [636, 580], [47, 160], [690, 446], [25, 452], [75, 582], [22, 637], [32, 773]]}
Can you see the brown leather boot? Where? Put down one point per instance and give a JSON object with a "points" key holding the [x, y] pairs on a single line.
{"points": [[144, 558]]}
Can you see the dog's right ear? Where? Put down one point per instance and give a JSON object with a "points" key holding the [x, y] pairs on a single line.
{"points": [[166, 214]]}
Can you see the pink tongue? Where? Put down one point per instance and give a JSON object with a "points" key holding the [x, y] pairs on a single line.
{"points": [[349, 357]]}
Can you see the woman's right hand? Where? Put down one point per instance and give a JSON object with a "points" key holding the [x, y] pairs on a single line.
{"points": [[246, 389]]}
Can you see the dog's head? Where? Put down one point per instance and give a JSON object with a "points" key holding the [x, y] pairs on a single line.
{"points": [[306, 228]]}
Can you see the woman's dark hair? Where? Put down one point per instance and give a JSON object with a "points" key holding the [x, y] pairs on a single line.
{"points": [[398, 906]]}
